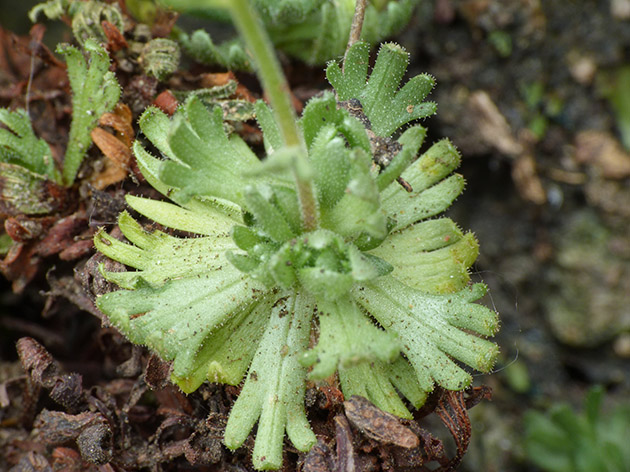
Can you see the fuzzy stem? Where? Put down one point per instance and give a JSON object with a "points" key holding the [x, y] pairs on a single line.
{"points": [[356, 28], [275, 85]]}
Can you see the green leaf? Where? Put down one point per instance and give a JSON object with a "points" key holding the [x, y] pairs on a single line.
{"points": [[314, 31], [268, 216], [152, 252], [19, 145], [286, 11], [565, 441], [386, 107], [203, 160], [273, 393], [94, 92], [208, 222], [372, 381], [271, 132], [176, 319], [430, 329], [359, 210], [411, 140], [209, 207], [229, 355], [331, 163], [432, 192], [402, 376], [322, 34], [230, 54], [433, 256], [346, 338], [322, 112]]}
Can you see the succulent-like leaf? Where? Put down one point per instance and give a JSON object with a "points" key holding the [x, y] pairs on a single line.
{"points": [[193, 304], [433, 256], [380, 383], [316, 35], [314, 31], [203, 160], [324, 112], [433, 189], [94, 92]]}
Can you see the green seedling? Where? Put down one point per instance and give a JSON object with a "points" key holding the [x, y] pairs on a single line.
{"points": [[310, 262]]}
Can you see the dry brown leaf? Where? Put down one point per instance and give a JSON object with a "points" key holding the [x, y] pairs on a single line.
{"points": [[602, 151], [378, 424], [527, 180], [116, 148]]}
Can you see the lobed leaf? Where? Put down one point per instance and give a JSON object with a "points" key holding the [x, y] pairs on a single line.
{"points": [[273, 393], [375, 382], [20, 146], [152, 252], [430, 329], [432, 192], [346, 338], [433, 256], [203, 160], [94, 92], [177, 318], [386, 107], [230, 54]]}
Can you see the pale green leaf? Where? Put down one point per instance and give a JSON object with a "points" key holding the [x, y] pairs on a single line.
{"points": [[432, 256], [432, 192], [430, 329], [346, 338], [178, 318], [273, 393]]}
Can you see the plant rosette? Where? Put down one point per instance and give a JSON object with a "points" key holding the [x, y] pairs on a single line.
{"points": [[376, 290]]}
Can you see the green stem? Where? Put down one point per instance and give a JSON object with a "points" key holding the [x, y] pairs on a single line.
{"points": [[275, 85]]}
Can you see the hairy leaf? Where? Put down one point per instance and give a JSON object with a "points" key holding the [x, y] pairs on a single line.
{"points": [[229, 54], [429, 328], [19, 145], [274, 389], [386, 107], [380, 288], [94, 92]]}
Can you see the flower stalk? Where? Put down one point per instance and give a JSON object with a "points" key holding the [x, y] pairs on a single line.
{"points": [[275, 85]]}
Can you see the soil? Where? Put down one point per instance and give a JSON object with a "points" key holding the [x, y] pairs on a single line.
{"points": [[532, 94]]}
